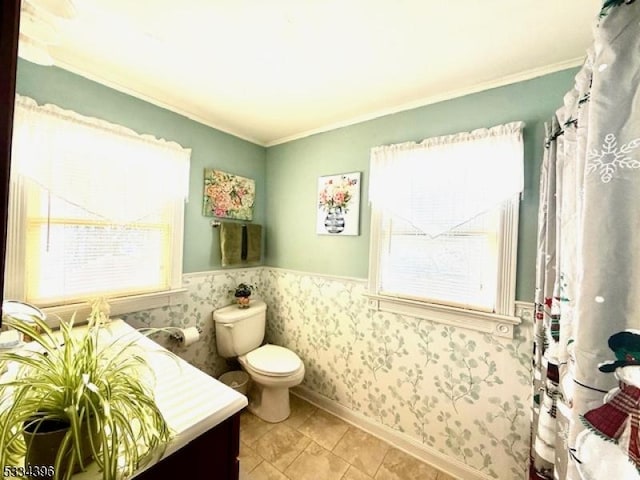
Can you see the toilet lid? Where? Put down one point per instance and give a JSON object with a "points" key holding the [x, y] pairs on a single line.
{"points": [[274, 360]]}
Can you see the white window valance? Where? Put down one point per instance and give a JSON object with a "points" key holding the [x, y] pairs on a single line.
{"points": [[443, 182], [73, 157]]}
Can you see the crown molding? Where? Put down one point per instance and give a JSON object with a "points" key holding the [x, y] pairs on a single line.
{"points": [[165, 103], [499, 82], [175, 107]]}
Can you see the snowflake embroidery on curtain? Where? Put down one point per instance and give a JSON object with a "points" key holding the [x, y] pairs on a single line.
{"points": [[610, 158]]}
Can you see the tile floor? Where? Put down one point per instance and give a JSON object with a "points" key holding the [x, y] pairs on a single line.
{"points": [[314, 445]]}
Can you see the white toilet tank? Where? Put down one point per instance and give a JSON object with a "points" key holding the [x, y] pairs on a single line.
{"points": [[240, 330]]}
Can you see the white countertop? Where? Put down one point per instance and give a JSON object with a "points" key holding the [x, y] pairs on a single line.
{"points": [[191, 401]]}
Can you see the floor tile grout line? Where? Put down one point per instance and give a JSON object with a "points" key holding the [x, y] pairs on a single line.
{"points": [[294, 460], [271, 462], [258, 438], [260, 457], [389, 447], [312, 440], [256, 465], [299, 453], [382, 462], [338, 442], [346, 471], [351, 424]]}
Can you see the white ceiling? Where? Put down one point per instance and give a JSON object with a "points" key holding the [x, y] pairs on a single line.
{"points": [[270, 71]]}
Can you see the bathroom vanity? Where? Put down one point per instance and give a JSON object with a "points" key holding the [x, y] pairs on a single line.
{"points": [[203, 414], [212, 456]]}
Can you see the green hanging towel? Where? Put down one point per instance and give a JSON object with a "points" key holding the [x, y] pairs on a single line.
{"points": [[254, 243], [231, 243]]}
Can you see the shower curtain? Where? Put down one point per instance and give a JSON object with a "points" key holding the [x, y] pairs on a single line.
{"points": [[586, 410]]}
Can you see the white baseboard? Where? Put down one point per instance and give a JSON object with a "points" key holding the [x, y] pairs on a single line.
{"points": [[449, 465]]}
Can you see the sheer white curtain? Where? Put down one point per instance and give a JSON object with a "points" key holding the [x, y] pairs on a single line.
{"points": [[443, 182], [73, 157], [96, 209]]}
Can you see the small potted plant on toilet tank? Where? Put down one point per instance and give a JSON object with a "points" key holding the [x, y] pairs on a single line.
{"points": [[242, 293]]}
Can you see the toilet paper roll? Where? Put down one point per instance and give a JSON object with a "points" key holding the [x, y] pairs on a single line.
{"points": [[187, 336]]}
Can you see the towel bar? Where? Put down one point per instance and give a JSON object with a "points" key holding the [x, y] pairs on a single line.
{"points": [[216, 223]]}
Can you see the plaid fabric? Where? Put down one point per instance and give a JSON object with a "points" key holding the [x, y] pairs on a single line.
{"points": [[552, 391], [634, 452], [609, 420], [553, 373]]}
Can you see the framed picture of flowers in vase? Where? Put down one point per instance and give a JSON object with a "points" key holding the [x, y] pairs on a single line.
{"points": [[338, 204]]}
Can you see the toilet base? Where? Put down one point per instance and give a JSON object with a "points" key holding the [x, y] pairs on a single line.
{"points": [[270, 404]]}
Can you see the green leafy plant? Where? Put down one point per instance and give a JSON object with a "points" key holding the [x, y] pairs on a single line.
{"points": [[89, 381]]}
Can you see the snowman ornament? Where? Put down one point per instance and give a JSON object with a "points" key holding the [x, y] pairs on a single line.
{"points": [[609, 447]]}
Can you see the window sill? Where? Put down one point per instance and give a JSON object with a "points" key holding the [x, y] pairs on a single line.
{"points": [[491, 323], [119, 306]]}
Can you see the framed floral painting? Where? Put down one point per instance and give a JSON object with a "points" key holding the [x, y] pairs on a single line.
{"points": [[339, 204], [227, 195]]}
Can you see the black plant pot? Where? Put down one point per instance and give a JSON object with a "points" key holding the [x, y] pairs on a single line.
{"points": [[43, 440]]}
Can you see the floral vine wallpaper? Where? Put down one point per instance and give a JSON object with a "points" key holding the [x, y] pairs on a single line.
{"points": [[457, 391], [206, 292]]}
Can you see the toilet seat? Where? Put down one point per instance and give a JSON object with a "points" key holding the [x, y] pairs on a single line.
{"points": [[273, 361]]}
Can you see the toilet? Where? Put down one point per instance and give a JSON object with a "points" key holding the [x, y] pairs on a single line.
{"points": [[273, 369]]}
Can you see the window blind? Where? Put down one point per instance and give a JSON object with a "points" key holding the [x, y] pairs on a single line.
{"points": [[98, 208], [73, 254], [457, 268], [444, 227]]}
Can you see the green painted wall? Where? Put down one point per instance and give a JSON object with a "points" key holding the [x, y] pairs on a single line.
{"points": [[210, 148], [294, 167], [286, 182]]}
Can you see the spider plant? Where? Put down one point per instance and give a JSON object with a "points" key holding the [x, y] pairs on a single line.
{"points": [[88, 381]]}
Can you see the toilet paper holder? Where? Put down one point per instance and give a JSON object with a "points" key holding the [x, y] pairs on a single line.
{"points": [[178, 336]]}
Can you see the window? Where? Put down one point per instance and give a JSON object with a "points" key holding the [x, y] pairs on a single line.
{"points": [[444, 227], [95, 210]]}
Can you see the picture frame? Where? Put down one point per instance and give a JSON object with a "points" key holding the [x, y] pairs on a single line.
{"points": [[338, 204], [227, 195]]}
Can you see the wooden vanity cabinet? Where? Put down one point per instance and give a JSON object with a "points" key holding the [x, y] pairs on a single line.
{"points": [[211, 456]]}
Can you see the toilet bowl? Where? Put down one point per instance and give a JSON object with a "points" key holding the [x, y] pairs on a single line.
{"points": [[273, 369]]}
